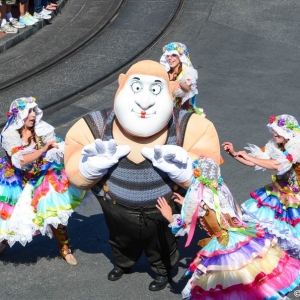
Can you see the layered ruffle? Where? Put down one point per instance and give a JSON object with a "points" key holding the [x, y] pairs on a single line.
{"points": [[242, 254], [285, 205], [55, 208], [47, 200], [10, 191], [260, 272], [288, 236]]}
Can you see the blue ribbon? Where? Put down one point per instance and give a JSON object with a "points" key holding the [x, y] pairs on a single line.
{"points": [[7, 124], [194, 101]]}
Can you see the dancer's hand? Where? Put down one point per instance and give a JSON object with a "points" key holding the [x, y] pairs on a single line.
{"points": [[228, 147], [99, 156], [179, 199], [49, 145], [165, 209]]}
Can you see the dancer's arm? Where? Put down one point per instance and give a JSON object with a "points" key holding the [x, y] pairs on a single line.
{"points": [[31, 157], [228, 147], [270, 164]]}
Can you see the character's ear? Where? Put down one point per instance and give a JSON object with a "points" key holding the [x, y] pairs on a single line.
{"points": [[121, 79], [171, 88]]}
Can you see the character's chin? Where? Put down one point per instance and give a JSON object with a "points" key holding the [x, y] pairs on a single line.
{"points": [[141, 135]]}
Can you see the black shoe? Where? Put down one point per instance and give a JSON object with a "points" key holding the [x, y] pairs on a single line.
{"points": [[159, 283], [116, 273]]}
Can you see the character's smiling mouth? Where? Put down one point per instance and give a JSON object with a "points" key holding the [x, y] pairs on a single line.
{"points": [[144, 114]]}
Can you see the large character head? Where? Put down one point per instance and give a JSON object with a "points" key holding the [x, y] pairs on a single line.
{"points": [[143, 103]]}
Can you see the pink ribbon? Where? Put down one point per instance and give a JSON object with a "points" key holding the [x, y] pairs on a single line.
{"points": [[195, 217]]}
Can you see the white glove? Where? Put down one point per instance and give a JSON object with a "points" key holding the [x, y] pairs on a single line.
{"points": [[173, 160], [99, 156]]}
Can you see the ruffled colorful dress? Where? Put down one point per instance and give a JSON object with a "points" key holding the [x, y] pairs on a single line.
{"points": [[37, 196], [238, 261], [275, 206]]}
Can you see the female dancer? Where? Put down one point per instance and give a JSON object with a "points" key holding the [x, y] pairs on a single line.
{"points": [[35, 194], [238, 261], [176, 61], [276, 205]]}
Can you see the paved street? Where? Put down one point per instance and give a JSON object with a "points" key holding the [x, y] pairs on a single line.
{"points": [[248, 58]]}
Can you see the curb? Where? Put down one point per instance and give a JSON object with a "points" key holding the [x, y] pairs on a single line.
{"points": [[10, 40]]}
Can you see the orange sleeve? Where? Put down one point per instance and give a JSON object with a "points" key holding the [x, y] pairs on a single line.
{"points": [[201, 138], [77, 137]]}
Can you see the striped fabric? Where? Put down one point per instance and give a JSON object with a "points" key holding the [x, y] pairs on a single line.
{"points": [[130, 184]]}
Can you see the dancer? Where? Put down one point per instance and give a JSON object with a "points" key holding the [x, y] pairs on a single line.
{"points": [[35, 192], [276, 205], [176, 61], [238, 261]]}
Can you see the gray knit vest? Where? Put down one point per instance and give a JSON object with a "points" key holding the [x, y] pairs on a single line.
{"points": [[130, 184]]}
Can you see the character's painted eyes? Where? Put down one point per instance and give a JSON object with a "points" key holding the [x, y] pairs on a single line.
{"points": [[155, 88], [136, 87]]}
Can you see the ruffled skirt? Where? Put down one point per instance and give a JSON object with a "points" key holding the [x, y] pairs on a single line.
{"points": [[278, 214], [247, 268], [10, 191], [46, 200]]}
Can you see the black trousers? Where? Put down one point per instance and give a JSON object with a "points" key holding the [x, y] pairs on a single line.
{"points": [[132, 231]]}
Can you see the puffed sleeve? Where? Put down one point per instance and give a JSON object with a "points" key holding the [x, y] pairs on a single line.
{"points": [[290, 156], [54, 154], [263, 153], [12, 143], [49, 137], [189, 77]]}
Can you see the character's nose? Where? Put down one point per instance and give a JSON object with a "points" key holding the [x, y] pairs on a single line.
{"points": [[145, 100]]}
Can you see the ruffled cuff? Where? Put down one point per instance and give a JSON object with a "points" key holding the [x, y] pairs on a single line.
{"points": [[56, 154], [285, 162], [186, 96], [178, 227], [257, 152], [17, 157]]}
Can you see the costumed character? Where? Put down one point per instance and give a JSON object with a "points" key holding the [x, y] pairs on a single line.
{"points": [[275, 206], [35, 193], [176, 61], [106, 151], [239, 261]]}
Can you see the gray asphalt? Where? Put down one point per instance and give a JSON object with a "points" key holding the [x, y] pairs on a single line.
{"points": [[136, 26], [247, 56]]}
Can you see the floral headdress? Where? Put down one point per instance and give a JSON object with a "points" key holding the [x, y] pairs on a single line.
{"points": [[207, 172], [19, 104], [285, 125], [178, 49], [19, 110]]}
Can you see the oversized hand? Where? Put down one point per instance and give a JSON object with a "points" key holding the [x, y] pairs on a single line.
{"points": [[173, 160], [99, 156]]}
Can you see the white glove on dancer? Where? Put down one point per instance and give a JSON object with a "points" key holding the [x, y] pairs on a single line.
{"points": [[99, 156], [173, 160]]}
